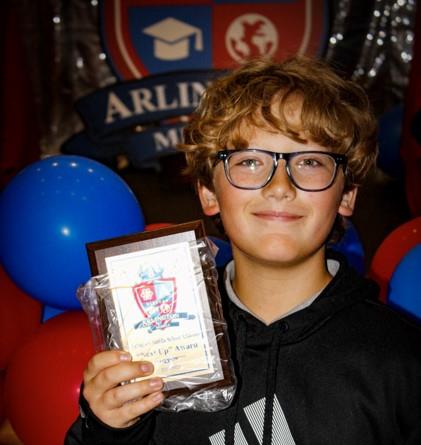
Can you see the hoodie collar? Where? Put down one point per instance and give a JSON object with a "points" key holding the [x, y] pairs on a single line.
{"points": [[345, 289], [332, 266]]}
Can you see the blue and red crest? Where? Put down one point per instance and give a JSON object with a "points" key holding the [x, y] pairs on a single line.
{"points": [[147, 37], [157, 301]]}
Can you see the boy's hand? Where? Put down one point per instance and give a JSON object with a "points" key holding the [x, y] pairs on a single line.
{"points": [[116, 405]]}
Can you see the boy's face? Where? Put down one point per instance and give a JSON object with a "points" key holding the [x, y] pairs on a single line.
{"points": [[279, 223]]}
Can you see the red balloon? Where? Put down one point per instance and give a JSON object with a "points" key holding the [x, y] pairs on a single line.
{"points": [[156, 226], [43, 379], [20, 316], [391, 251]]}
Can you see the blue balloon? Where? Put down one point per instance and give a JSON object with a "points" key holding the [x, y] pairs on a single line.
{"points": [[405, 284], [50, 312], [350, 245], [224, 254], [49, 211]]}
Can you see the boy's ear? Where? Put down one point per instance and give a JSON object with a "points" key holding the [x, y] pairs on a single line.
{"points": [[210, 205], [346, 207]]}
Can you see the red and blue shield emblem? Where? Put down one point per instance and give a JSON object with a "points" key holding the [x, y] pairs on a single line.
{"points": [[157, 300], [147, 37]]}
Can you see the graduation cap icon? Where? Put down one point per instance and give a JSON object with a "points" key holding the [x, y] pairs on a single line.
{"points": [[172, 38]]}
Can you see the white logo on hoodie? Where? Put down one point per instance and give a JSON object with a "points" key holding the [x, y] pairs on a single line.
{"points": [[255, 413]]}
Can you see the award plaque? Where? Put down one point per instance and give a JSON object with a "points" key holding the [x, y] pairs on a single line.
{"points": [[164, 304]]}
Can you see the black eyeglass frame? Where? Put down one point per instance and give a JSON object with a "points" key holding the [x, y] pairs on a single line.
{"points": [[340, 160]]}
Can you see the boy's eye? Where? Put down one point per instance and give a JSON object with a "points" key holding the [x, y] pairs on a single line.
{"points": [[250, 163], [310, 162]]}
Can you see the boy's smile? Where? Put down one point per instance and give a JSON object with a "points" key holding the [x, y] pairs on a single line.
{"points": [[278, 224]]}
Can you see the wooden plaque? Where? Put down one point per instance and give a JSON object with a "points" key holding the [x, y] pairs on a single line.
{"points": [[164, 305]]}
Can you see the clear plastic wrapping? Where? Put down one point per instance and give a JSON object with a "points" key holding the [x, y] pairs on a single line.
{"points": [[162, 304]]}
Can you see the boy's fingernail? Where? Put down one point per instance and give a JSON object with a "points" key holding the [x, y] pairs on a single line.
{"points": [[158, 397], [155, 383], [146, 367], [125, 357]]}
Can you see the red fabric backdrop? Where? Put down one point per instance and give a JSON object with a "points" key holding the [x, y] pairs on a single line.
{"points": [[19, 141]]}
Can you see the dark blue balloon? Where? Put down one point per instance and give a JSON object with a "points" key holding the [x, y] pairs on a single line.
{"points": [[49, 211], [50, 312], [224, 254], [350, 245], [405, 284]]}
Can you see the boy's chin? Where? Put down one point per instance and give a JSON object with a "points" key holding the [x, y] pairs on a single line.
{"points": [[281, 252]]}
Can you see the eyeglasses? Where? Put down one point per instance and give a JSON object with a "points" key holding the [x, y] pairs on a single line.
{"points": [[252, 168]]}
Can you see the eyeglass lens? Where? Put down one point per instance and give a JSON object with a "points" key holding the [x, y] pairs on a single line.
{"points": [[308, 170]]}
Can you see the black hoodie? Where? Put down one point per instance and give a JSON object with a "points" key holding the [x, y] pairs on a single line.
{"points": [[346, 370]]}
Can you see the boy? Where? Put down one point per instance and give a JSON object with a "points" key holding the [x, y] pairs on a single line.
{"points": [[278, 151]]}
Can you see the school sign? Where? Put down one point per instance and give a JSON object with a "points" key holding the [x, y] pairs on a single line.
{"points": [[165, 54]]}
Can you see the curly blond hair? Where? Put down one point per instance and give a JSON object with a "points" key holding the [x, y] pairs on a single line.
{"points": [[335, 113]]}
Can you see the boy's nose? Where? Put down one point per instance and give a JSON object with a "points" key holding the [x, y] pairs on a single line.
{"points": [[280, 185]]}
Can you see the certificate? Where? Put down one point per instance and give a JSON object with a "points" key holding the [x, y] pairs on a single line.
{"points": [[162, 309]]}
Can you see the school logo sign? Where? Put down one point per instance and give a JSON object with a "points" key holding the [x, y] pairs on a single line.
{"points": [[164, 55], [143, 38]]}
